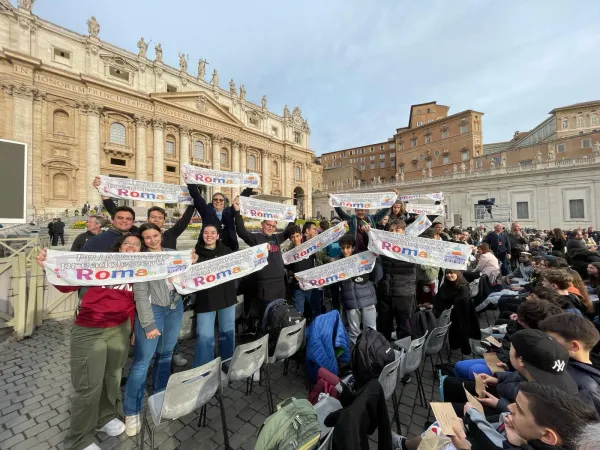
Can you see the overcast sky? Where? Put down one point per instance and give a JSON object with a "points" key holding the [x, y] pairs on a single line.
{"points": [[354, 67]]}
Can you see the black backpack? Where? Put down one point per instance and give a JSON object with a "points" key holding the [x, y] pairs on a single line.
{"points": [[422, 321], [370, 355], [282, 314]]}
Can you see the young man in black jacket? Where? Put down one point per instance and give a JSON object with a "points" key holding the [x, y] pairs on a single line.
{"points": [[499, 242], [579, 336], [59, 232], [122, 222]]}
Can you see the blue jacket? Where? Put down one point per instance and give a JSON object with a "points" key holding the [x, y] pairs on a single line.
{"points": [[323, 336], [103, 242]]}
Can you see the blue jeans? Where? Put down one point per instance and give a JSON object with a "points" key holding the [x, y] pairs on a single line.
{"points": [[168, 323], [465, 369], [205, 335], [314, 296]]}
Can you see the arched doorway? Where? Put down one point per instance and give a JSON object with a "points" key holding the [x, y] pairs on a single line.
{"points": [[299, 201]]}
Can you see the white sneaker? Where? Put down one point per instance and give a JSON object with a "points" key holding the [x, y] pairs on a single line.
{"points": [[113, 428], [179, 360], [92, 446], [256, 376], [133, 425]]}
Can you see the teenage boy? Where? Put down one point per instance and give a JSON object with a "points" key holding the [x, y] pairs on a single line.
{"points": [[122, 222], [358, 294], [300, 296], [559, 280], [524, 269], [579, 336]]}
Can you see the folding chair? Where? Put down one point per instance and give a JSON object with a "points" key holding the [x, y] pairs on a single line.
{"points": [[412, 363], [433, 345], [328, 442], [289, 342], [442, 322], [186, 392], [389, 379]]}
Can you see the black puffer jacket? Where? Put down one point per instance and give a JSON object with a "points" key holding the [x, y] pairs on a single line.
{"points": [[220, 296], [360, 291], [587, 377], [398, 285]]}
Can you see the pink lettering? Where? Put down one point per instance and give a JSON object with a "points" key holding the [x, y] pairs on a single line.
{"points": [[84, 274]]}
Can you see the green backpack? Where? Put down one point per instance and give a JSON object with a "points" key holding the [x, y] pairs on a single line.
{"points": [[294, 426]]}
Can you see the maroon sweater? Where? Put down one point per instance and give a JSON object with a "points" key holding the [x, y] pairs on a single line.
{"points": [[104, 306]]}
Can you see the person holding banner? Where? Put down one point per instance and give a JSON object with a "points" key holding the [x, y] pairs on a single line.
{"points": [[157, 323], [357, 221], [217, 215], [269, 282], [122, 223], [218, 300], [396, 291], [100, 341], [398, 212]]}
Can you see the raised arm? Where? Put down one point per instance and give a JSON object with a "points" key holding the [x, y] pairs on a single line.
{"points": [[379, 215], [181, 225], [240, 228], [109, 204], [199, 202], [342, 214]]}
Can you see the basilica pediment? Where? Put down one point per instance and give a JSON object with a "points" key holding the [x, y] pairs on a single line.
{"points": [[200, 102]]}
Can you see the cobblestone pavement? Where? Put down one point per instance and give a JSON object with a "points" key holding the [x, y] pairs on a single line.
{"points": [[35, 391]]}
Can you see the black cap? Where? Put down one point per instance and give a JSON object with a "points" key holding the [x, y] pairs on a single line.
{"points": [[544, 358]]}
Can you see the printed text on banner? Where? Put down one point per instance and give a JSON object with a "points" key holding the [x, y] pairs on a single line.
{"points": [[310, 247], [336, 271], [264, 210], [368, 200], [414, 208], [438, 196], [417, 228], [210, 177], [144, 191]]}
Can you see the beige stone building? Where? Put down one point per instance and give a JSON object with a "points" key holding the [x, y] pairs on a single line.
{"points": [[86, 107]]}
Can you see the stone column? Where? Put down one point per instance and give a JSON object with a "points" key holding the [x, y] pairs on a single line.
{"points": [[37, 150], [243, 157], [235, 163], [184, 147], [289, 180], [23, 130], [308, 192], [158, 158], [266, 184], [215, 145], [92, 155], [141, 125]]}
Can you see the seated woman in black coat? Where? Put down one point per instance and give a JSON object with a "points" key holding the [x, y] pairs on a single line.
{"points": [[455, 292]]}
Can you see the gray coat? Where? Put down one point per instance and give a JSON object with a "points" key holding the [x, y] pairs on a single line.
{"points": [[360, 294]]}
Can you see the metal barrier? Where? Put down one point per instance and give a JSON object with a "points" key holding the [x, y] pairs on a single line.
{"points": [[26, 299]]}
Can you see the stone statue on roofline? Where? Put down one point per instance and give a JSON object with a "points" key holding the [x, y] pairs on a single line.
{"points": [[142, 47], [215, 78], [92, 23], [159, 53]]}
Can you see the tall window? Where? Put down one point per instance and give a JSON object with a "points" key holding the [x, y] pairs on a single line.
{"points": [[198, 150], [392, 145], [464, 128], [444, 133], [382, 164], [275, 169], [565, 123], [576, 210], [61, 122], [362, 166], [522, 210], [427, 138], [593, 120], [297, 137], [464, 155], [251, 162], [478, 164], [392, 155], [298, 173], [586, 143], [170, 149], [401, 168], [401, 145], [372, 157], [117, 133], [224, 158], [413, 142], [414, 165], [428, 163], [446, 159], [381, 156], [560, 148], [580, 122], [372, 165]]}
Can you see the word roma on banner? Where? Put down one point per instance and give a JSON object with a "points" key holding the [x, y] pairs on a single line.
{"points": [[264, 210], [368, 200], [417, 228], [144, 191], [342, 269], [438, 196], [308, 248], [209, 177], [222, 269], [430, 252], [98, 269], [413, 208]]}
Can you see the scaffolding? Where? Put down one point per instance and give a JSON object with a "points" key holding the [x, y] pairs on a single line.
{"points": [[486, 214]]}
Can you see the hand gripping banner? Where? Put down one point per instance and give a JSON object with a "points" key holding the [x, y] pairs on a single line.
{"points": [[340, 270], [315, 244], [209, 177], [429, 252], [436, 210], [144, 191], [417, 228], [264, 210], [368, 200], [438, 196], [99, 269], [220, 270]]}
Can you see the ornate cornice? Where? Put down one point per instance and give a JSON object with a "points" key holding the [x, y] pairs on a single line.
{"points": [[91, 109], [141, 121], [158, 124]]}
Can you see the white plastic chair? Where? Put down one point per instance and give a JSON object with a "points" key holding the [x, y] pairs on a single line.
{"points": [[412, 363], [289, 342], [186, 392], [433, 345], [442, 322], [328, 442], [389, 379]]}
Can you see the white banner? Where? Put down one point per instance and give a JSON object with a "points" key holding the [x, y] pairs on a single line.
{"points": [[437, 196], [99, 269], [417, 228], [429, 252], [430, 210], [220, 270], [209, 177], [340, 270], [264, 210], [144, 191], [368, 200], [315, 244]]}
